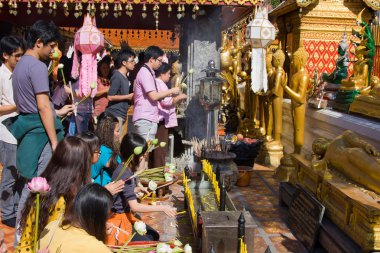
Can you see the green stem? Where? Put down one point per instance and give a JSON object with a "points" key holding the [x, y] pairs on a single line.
{"points": [[126, 243], [63, 77], [124, 167], [36, 222]]}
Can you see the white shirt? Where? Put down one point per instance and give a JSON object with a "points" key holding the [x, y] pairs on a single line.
{"points": [[6, 98]]}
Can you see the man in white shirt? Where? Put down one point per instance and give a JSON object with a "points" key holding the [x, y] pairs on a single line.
{"points": [[11, 50]]}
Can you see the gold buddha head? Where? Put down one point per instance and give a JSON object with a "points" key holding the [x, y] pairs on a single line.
{"points": [[176, 68], [319, 146], [300, 57], [278, 57]]}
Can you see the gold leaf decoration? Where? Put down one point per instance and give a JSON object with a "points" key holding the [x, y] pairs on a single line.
{"points": [[215, 1]]}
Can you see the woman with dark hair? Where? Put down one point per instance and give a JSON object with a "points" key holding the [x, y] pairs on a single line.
{"points": [[108, 131], [166, 114], [67, 171], [104, 74], [126, 202], [84, 227]]}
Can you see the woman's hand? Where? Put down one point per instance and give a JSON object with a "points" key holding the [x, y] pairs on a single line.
{"points": [[141, 189], [115, 187]]}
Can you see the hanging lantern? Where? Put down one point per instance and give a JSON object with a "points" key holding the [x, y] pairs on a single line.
{"points": [[260, 33], [89, 41]]}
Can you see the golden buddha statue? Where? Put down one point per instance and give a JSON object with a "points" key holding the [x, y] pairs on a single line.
{"points": [[265, 105], [297, 92], [359, 79], [368, 101], [276, 81], [353, 157], [176, 74]]}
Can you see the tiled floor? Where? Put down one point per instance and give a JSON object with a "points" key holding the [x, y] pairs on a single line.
{"points": [[260, 199]]}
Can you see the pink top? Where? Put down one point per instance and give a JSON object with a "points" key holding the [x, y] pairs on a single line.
{"points": [[166, 109], [100, 103], [143, 107]]}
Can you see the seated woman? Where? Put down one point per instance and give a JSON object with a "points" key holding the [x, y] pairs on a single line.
{"points": [[126, 202], [84, 227], [67, 171], [108, 132]]}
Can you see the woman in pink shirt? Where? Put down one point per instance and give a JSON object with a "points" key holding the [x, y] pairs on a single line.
{"points": [[100, 100], [166, 113]]}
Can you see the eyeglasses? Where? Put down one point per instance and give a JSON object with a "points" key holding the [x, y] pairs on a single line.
{"points": [[160, 60]]}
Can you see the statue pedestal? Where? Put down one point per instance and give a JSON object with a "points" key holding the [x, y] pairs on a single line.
{"points": [[270, 155], [366, 105], [344, 99]]}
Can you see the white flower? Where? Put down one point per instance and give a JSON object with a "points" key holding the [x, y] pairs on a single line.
{"points": [[162, 144], [183, 85], [191, 71], [163, 248], [168, 177], [152, 185], [140, 227], [60, 66], [177, 250], [93, 85], [187, 249], [177, 243]]}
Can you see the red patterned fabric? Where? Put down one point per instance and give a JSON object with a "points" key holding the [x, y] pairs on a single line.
{"points": [[322, 56]]}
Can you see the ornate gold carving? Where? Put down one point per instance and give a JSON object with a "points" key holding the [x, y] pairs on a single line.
{"points": [[305, 3], [374, 4]]}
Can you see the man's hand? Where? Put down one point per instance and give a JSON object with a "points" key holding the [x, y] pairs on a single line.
{"points": [[65, 110]]}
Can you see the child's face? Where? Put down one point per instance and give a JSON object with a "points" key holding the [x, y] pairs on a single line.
{"points": [[95, 156], [116, 132]]}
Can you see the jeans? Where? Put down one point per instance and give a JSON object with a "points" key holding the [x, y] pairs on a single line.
{"points": [[10, 185], [42, 163], [145, 128], [82, 121]]}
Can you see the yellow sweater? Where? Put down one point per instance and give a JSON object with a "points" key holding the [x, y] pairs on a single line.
{"points": [[26, 242], [70, 240]]}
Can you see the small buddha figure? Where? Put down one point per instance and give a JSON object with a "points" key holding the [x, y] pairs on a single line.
{"points": [[277, 80], [359, 79], [176, 73], [373, 89], [353, 157], [297, 92]]}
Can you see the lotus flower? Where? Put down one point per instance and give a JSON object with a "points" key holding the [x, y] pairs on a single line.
{"points": [[140, 227], [138, 150], [191, 71], [39, 185], [163, 248], [183, 85], [168, 177], [162, 144], [152, 185], [177, 243], [177, 249], [93, 85], [187, 249], [154, 141], [60, 66]]}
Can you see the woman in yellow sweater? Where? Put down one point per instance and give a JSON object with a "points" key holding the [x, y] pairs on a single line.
{"points": [[84, 227], [67, 171]]}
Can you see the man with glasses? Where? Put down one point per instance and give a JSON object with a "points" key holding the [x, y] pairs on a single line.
{"points": [[118, 94], [146, 95], [11, 50]]}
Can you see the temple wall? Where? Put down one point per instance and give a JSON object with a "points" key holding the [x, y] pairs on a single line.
{"points": [[320, 26], [329, 124]]}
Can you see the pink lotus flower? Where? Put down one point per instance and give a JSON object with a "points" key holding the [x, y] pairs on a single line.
{"points": [[39, 185]]}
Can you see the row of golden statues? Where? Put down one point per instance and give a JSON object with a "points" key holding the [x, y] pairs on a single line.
{"points": [[261, 113]]}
